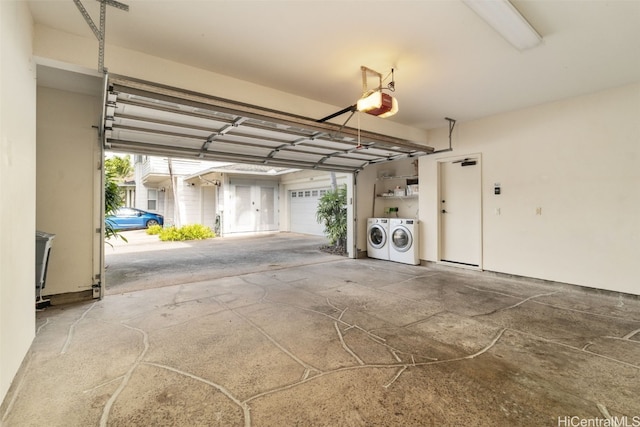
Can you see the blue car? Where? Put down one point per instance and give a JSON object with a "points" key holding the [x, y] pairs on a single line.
{"points": [[132, 218]]}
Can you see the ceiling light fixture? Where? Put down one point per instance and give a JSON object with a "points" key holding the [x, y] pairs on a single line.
{"points": [[503, 17], [374, 101]]}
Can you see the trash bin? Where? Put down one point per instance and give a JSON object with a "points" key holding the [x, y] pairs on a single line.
{"points": [[43, 248]]}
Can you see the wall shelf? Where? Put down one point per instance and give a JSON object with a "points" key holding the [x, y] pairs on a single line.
{"points": [[397, 197], [385, 184], [384, 178]]}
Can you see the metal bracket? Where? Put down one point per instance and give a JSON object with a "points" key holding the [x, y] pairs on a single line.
{"points": [[225, 129], [100, 33], [365, 89]]}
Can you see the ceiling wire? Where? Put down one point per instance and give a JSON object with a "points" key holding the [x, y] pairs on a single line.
{"points": [[359, 146], [392, 84]]}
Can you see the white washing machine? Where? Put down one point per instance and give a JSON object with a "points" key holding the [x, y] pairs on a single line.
{"points": [[378, 238], [403, 241]]}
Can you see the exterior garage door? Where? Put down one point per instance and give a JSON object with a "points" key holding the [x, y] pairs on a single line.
{"points": [[303, 205]]}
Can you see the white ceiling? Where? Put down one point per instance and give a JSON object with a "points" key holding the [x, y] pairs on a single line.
{"points": [[448, 62]]}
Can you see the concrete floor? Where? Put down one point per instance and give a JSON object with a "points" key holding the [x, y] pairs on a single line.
{"points": [[334, 342]]}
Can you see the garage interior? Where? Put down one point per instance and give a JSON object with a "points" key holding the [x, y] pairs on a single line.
{"points": [[523, 311]]}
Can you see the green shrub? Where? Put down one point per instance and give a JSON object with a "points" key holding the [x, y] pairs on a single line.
{"points": [[169, 234], [332, 213], [186, 232], [154, 230]]}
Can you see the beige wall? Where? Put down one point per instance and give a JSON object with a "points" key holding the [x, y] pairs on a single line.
{"points": [[575, 159], [17, 189], [67, 173], [73, 49]]}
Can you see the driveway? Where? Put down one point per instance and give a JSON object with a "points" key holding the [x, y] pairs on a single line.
{"points": [[146, 262]]}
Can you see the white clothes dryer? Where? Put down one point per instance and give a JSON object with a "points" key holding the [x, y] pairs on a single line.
{"points": [[378, 238], [403, 241]]}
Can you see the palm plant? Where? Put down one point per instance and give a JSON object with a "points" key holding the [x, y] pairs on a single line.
{"points": [[112, 201], [332, 212]]}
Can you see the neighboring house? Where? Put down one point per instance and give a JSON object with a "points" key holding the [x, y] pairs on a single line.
{"points": [[155, 192], [128, 188], [230, 198]]}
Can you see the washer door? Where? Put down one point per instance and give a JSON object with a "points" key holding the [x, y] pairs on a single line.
{"points": [[377, 236], [401, 239]]}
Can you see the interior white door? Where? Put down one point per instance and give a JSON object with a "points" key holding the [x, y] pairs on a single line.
{"points": [[461, 211]]}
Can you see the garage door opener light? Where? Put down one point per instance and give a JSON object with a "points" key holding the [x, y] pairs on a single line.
{"points": [[375, 101]]}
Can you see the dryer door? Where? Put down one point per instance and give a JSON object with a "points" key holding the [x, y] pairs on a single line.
{"points": [[377, 236], [401, 239]]}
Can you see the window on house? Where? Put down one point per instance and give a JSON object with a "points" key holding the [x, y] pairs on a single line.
{"points": [[152, 199]]}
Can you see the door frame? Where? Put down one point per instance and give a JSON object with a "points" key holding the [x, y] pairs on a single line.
{"points": [[441, 236]]}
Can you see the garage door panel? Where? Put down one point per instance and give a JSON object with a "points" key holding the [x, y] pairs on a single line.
{"points": [[179, 117], [332, 163], [245, 140], [303, 205], [240, 149], [185, 124], [261, 131], [156, 139], [292, 155], [337, 146], [197, 127], [344, 162], [132, 131]]}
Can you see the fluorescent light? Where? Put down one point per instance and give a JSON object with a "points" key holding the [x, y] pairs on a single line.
{"points": [[503, 17]]}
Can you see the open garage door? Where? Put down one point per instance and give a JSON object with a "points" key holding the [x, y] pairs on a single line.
{"points": [[142, 117]]}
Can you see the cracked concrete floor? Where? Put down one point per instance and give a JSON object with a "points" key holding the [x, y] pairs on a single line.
{"points": [[339, 342]]}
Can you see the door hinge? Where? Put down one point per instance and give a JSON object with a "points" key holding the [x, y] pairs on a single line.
{"points": [[98, 230]]}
